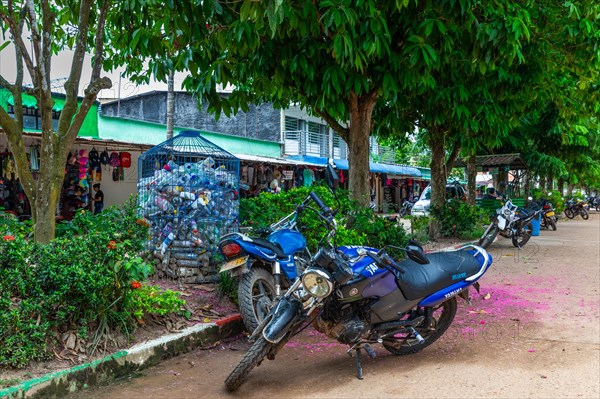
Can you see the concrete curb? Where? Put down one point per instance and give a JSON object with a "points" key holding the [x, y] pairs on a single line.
{"points": [[60, 383]]}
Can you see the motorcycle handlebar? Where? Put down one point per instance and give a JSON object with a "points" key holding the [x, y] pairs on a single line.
{"points": [[325, 210]]}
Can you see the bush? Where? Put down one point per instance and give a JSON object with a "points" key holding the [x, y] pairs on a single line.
{"points": [[87, 279], [357, 225], [459, 219]]}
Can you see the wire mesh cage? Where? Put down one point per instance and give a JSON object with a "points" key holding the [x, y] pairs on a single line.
{"points": [[188, 191]]}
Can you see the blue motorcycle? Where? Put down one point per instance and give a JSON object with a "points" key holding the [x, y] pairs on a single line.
{"points": [[265, 265], [362, 296]]}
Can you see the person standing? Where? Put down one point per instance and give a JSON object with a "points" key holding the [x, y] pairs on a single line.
{"points": [[98, 199]]}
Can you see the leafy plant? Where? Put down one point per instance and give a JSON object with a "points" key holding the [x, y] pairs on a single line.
{"points": [[357, 224], [227, 286], [458, 218], [87, 280]]}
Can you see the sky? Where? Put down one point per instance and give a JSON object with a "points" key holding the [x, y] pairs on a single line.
{"points": [[61, 64]]}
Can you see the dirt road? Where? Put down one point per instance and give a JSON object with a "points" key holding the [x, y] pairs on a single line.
{"points": [[533, 332]]}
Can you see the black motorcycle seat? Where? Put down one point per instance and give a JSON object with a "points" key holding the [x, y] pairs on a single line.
{"points": [[443, 270], [271, 246]]}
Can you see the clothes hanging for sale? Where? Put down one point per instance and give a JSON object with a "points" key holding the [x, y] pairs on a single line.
{"points": [[34, 156]]}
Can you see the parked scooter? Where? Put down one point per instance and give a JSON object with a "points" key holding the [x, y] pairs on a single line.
{"points": [[360, 297], [265, 265], [406, 208], [509, 223]]}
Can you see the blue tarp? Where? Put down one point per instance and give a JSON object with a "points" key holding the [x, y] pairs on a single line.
{"points": [[342, 164]]}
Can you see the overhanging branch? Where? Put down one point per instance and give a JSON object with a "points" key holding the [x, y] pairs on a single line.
{"points": [[335, 125]]}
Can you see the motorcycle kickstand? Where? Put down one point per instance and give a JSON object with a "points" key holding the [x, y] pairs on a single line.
{"points": [[359, 370]]}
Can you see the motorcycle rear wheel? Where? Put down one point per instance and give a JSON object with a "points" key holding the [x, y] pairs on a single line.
{"points": [[569, 213], [405, 344], [256, 293], [522, 235], [251, 359], [488, 237], [584, 214]]}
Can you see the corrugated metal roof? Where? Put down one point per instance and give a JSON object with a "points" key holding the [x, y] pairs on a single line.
{"points": [[514, 161]]}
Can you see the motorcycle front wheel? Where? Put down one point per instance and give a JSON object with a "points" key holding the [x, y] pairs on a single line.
{"points": [[584, 214], [406, 343], [251, 359], [569, 213], [522, 235], [552, 224], [489, 236], [256, 294]]}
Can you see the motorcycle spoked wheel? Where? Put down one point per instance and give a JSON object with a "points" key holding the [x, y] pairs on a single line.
{"points": [[584, 214], [251, 359], [406, 344], [256, 293], [569, 213], [488, 237], [522, 235]]}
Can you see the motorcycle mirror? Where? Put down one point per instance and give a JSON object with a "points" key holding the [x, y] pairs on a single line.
{"points": [[331, 177], [415, 252]]}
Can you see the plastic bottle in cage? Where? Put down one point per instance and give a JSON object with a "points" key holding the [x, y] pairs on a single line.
{"points": [[163, 204], [165, 244], [187, 195]]}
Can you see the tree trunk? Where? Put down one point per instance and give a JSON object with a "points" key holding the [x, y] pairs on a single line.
{"points": [[361, 110], [570, 188], [502, 181], [561, 186], [527, 185], [550, 184], [170, 104], [471, 178], [438, 176]]}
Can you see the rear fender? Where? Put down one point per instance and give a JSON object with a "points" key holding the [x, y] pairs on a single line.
{"points": [[285, 314]]}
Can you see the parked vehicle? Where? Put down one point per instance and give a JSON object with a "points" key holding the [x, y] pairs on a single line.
{"points": [[360, 296], [549, 218], [509, 223], [421, 207], [264, 265], [406, 208], [576, 207], [594, 202]]}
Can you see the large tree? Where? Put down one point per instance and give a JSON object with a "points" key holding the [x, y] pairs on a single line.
{"points": [[38, 30], [340, 59]]}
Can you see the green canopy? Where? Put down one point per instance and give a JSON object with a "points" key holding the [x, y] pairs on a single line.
{"points": [[30, 101]]}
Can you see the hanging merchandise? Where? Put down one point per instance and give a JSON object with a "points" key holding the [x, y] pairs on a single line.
{"points": [[94, 158], [114, 159], [115, 174], [191, 200], [125, 159], [104, 158]]}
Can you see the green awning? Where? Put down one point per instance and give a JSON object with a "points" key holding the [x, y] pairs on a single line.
{"points": [[30, 101], [425, 173]]}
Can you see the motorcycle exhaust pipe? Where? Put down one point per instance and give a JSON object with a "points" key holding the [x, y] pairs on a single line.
{"points": [[285, 314]]}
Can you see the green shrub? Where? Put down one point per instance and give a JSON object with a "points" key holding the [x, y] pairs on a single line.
{"points": [[459, 219], [357, 225], [419, 226], [87, 280]]}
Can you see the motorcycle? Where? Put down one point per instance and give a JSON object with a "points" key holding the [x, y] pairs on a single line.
{"points": [[406, 208], [509, 223], [594, 202], [576, 207], [264, 265], [361, 296], [548, 215]]}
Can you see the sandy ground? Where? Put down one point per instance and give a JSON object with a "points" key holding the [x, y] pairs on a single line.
{"points": [[537, 335]]}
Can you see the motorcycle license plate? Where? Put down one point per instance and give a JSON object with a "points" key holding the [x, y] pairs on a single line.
{"points": [[501, 223], [232, 264], [550, 214]]}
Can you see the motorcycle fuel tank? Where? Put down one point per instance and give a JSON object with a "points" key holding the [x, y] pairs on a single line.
{"points": [[369, 280], [290, 241]]}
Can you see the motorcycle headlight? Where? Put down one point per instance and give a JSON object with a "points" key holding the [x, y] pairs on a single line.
{"points": [[317, 283]]}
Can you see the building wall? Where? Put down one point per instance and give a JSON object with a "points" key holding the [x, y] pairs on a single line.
{"points": [[133, 131], [261, 122]]}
